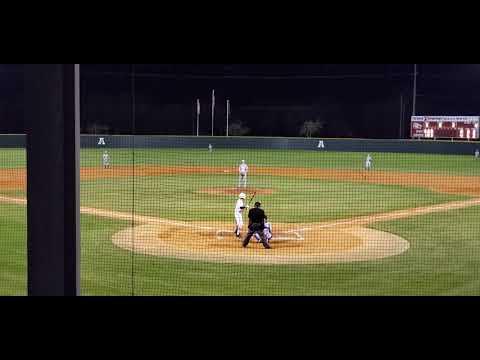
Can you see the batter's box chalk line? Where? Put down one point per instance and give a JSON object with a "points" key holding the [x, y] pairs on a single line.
{"points": [[283, 235]]}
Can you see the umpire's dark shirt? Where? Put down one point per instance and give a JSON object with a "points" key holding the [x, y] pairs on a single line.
{"points": [[256, 215]]}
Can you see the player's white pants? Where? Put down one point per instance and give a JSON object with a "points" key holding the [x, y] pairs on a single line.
{"points": [[242, 180], [368, 165], [239, 223]]}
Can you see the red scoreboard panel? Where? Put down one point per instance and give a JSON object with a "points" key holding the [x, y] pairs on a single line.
{"points": [[451, 127]]}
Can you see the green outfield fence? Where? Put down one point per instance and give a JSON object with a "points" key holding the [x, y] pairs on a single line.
{"points": [[159, 215]]}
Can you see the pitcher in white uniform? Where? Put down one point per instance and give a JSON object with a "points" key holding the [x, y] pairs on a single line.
{"points": [[239, 207], [242, 170]]}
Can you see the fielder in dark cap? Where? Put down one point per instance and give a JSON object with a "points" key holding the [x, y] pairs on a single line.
{"points": [[256, 221]]}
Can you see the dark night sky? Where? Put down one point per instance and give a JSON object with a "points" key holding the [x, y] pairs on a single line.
{"points": [[353, 100]]}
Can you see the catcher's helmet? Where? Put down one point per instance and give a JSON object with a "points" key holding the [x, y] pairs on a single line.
{"points": [[242, 196]]}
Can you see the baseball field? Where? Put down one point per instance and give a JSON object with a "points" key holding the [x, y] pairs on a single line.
{"points": [[161, 221]]}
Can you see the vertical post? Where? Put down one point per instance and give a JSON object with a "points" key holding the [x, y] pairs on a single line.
{"points": [[133, 87], [228, 113], [401, 116], [198, 116], [52, 115], [74, 259], [213, 108], [414, 89]]}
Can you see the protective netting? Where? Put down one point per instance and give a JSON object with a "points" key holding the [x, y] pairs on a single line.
{"points": [[13, 216], [158, 216], [161, 215]]}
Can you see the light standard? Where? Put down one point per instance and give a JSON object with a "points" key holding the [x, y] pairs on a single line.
{"points": [[414, 88]]}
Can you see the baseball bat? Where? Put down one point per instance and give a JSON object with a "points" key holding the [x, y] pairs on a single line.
{"points": [[249, 201]]}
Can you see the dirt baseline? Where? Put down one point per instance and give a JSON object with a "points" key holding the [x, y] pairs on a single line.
{"points": [[15, 179], [235, 191]]}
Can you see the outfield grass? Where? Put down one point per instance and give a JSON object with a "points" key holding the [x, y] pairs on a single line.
{"points": [[13, 158], [446, 164], [13, 250], [429, 163], [442, 260]]}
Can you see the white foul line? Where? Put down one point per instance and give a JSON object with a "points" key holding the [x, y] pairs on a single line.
{"points": [[393, 215]]}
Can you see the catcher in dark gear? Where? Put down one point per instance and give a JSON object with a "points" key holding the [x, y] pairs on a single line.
{"points": [[256, 220]]}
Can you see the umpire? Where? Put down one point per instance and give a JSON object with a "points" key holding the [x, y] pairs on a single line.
{"points": [[256, 220]]}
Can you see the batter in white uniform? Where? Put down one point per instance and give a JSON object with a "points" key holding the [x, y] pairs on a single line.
{"points": [[239, 207], [242, 170]]}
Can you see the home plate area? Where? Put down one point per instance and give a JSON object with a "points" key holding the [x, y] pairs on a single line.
{"points": [[291, 243], [280, 236]]}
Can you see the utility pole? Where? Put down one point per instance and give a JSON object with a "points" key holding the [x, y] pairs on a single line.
{"points": [[228, 113], [401, 116], [213, 108], [198, 116], [414, 88]]}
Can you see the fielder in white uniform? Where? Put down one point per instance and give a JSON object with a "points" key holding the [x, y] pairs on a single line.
{"points": [[368, 162], [242, 171], [210, 147], [477, 154], [239, 207], [105, 160]]}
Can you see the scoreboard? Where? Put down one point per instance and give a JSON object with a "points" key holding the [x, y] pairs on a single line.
{"points": [[451, 127]]}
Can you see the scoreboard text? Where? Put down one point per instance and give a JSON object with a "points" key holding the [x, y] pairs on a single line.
{"points": [[438, 127]]}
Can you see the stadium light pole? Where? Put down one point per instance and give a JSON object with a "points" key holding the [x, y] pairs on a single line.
{"points": [[414, 89], [228, 112], [198, 115], [213, 108], [401, 116]]}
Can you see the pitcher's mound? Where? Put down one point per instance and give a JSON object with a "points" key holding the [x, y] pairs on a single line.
{"points": [[235, 191]]}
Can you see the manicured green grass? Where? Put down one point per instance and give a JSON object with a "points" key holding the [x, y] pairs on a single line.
{"points": [[442, 260], [292, 200], [12, 158], [105, 269], [430, 163], [13, 250], [447, 164]]}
